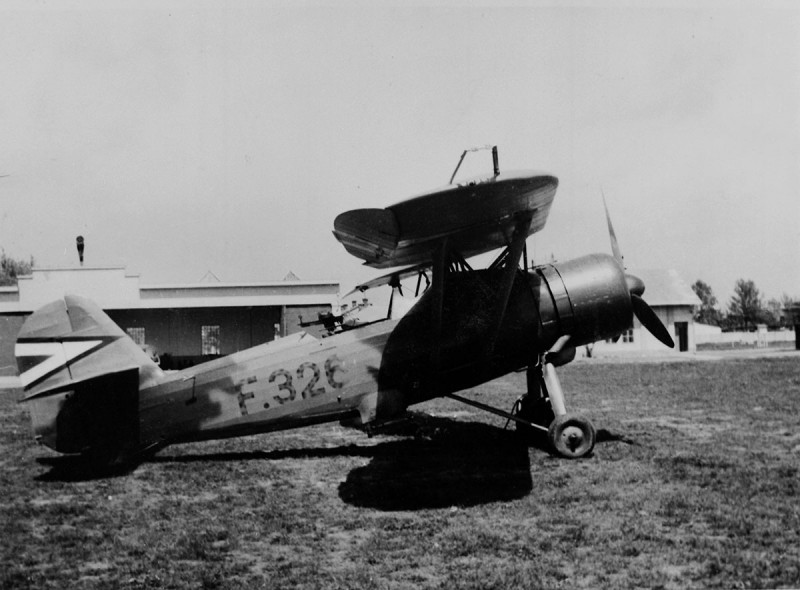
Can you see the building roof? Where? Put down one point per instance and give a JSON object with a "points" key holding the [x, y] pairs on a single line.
{"points": [[111, 287], [665, 287]]}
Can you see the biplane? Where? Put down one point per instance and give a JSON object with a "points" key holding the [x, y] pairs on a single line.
{"points": [[92, 390]]}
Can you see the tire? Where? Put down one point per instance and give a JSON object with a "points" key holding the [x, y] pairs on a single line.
{"points": [[571, 437]]}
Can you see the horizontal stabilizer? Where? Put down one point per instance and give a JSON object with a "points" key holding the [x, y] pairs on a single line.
{"points": [[77, 384]]}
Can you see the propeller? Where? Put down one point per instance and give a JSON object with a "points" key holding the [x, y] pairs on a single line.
{"points": [[613, 236], [644, 313]]}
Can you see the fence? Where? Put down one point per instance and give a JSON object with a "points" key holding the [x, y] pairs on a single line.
{"points": [[758, 339]]}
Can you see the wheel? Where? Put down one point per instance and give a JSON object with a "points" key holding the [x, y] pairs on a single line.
{"points": [[571, 437]]}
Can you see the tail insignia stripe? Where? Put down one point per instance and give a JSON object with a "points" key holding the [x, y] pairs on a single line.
{"points": [[38, 360]]}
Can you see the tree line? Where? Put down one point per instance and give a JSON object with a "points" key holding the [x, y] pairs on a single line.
{"points": [[745, 310], [11, 268]]}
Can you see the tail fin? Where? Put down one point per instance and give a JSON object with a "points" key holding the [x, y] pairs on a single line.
{"points": [[82, 375], [72, 340]]}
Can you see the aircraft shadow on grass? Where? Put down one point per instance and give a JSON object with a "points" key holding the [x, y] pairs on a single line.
{"points": [[452, 463], [442, 462], [447, 463], [73, 468]]}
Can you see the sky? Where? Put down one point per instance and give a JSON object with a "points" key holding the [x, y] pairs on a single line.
{"points": [[183, 137]]}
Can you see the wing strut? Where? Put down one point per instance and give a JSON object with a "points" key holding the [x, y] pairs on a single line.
{"points": [[419, 282], [440, 257], [394, 283], [510, 262]]}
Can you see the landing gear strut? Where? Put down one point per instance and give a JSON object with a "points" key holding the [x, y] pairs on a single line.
{"points": [[570, 436], [535, 405]]}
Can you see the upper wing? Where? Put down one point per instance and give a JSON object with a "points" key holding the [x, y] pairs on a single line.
{"points": [[474, 218]]}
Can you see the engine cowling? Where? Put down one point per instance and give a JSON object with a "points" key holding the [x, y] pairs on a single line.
{"points": [[588, 299]]}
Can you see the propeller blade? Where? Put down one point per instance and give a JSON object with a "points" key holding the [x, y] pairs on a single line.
{"points": [[644, 312], [612, 236], [650, 320]]}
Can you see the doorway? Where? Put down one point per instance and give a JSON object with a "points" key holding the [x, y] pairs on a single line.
{"points": [[682, 334]]}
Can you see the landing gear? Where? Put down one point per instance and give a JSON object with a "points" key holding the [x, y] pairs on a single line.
{"points": [[569, 436], [534, 406]]}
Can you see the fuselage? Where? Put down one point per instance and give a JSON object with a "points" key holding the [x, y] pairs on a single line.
{"points": [[291, 382], [374, 372]]}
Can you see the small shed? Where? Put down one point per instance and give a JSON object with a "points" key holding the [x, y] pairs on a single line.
{"points": [[674, 303]]}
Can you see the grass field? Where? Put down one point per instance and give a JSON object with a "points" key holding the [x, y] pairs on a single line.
{"points": [[694, 483]]}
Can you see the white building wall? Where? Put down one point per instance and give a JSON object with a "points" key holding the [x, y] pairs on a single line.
{"points": [[107, 286], [113, 288], [644, 341]]}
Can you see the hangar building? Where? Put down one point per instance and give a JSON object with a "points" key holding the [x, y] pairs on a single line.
{"points": [[183, 323]]}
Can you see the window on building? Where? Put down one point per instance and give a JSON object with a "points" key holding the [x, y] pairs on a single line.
{"points": [[137, 335], [627, 335], [210, 340]]}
